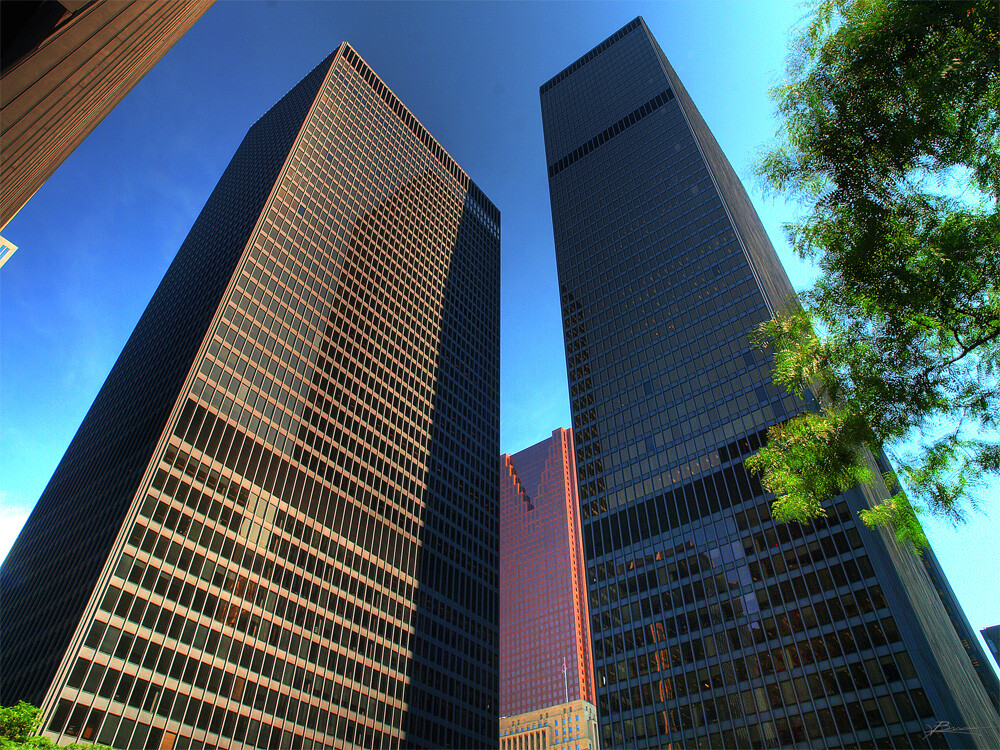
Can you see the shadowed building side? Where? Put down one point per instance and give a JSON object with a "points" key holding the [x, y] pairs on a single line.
{"points": [[973, 648]]}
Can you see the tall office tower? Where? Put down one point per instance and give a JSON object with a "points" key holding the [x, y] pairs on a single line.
{"points": [[712, 625], [546, 667], [276, 525], [65, 65]]}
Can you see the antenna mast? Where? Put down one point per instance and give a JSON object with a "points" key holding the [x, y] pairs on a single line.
{"points": [[565, 680]]}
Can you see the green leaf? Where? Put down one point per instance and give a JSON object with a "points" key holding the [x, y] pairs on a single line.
{"points": [[890, 143]]}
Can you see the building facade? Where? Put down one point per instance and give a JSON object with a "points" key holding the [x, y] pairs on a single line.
{"points": [[277, 524], [565, 726], [978, 656], [65, 65], [546, 665], [544, 622], [712, 625]]}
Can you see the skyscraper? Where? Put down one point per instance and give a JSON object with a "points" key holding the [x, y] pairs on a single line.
{"points": [[276, 525], [712, 625], [65, 65], [546, 668]]}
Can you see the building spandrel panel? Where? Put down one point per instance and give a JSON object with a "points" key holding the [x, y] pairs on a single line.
{"points": [[300, 545], [712, 625]]}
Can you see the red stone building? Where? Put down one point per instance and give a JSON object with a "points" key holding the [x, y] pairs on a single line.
{"points": [[545, 655]]}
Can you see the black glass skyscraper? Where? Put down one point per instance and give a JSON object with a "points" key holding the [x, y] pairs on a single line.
{"points": [[712, 625], [277, 525]]}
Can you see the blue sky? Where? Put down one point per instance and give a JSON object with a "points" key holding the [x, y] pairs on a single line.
{"points": [[95, 241]]}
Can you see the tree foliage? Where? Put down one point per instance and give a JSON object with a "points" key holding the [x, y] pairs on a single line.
{"points": [[890, 141], [18, 725]]}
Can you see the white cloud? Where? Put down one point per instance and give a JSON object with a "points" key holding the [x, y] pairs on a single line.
{"points": [[11, 521]]}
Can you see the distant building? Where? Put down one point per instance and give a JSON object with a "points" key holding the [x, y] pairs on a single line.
{"points": [[65, 65], [714, 626], [546, 668], [566, 726], [277, 525], [992, 637], [7, 249]]}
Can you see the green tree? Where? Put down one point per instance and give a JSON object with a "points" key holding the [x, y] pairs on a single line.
{"points": [[18, 725], [890, 141]]}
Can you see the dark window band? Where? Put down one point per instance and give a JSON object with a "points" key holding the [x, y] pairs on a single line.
{"points": [[606, 135]]}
